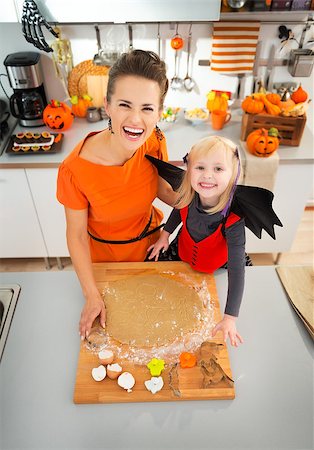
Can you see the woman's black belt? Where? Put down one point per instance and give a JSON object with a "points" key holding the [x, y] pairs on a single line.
{"points": [[141, 236]]}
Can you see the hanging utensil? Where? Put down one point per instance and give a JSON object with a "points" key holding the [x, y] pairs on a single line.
{"points": [[99, 58], [270, 64], [158, 39], [176, 43], [188, 82], [130, 38]]}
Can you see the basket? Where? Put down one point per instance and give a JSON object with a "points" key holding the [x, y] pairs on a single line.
{"points": [[290, 128]]}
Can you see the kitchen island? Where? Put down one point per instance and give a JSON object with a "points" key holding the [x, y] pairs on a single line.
{"points": [[273, 373]]}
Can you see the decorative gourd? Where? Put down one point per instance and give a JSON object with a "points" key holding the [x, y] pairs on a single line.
{"points": [[252, 105], [80, 105], [58, 116], [286, 102], [273, 98], [217, 100], [300, 95], [274, 110], [262, 142]]}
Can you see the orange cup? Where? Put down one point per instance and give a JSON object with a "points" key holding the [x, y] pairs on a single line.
{"points": [[219, 118]]}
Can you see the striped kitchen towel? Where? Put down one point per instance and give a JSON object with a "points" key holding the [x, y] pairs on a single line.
{"points": [[234, 46]]}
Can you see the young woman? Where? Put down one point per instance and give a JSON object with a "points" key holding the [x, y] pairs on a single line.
{"points": [[210, 236], [108, 186]]}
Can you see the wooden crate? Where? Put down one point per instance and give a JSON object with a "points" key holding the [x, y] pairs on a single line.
{"points": [[290, 128]]}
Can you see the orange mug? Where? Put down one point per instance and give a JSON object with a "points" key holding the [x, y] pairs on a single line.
{"points": [[219, 118]]}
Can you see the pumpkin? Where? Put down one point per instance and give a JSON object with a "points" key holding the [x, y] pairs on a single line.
{"points": [[273, 98], [58, 116], [300, 95], [272, 109], [262, 142], [252, 104], [217, 100], [177, 42], [80, 105]]}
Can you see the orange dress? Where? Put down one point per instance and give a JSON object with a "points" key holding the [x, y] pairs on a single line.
{"points": [[118, 198]]}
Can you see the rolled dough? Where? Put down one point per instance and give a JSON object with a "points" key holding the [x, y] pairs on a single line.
{"points": [[151, 310]]}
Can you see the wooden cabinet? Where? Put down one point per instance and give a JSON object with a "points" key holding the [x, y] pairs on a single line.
{"points": [[50, 212], [21, 234]]}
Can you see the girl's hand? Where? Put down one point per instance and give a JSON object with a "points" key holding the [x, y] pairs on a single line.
{"points": [[161, 244], [228, 327], [93, 308]]}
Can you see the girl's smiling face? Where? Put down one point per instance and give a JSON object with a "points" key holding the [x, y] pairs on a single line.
{"points": [[134, 110], [210, 176]]}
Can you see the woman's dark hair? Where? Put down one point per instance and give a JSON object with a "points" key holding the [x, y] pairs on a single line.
{"points": [[140, 63]]}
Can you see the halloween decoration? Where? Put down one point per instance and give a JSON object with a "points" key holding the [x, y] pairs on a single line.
{"points": [[253, 104], [80, 105], [217, 100], [32, 22], [58, 116], [300, 95], [262, 142]]}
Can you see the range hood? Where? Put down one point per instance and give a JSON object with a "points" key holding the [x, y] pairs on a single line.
{"points": [[127, 11]]}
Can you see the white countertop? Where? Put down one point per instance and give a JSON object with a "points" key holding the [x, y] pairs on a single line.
{"points": [[180, 136], [273, 373]]}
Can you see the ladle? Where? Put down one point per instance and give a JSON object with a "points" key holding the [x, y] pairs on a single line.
{"points": [[99, 58], [188, 81], [176, 82]]}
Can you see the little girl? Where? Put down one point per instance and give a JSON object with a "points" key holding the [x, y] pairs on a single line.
{"points": [[211, 235]]}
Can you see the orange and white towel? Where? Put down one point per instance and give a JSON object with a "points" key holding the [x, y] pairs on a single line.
{"points": [[234, 46]]}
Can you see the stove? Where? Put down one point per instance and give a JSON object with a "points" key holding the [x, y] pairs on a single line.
{"points": [[7, 124]]}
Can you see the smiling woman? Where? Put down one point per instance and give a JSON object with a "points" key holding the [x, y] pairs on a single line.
{"points": [[108, 186]]}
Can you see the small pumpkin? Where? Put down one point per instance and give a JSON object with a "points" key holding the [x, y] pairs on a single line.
{"points": [[262, 142], [252, 104], [300, 95], [273, 98], [58, 116], [80, 105], [217, 100]]}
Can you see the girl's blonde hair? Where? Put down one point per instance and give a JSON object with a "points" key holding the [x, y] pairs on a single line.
{"points": [[203, 148]]}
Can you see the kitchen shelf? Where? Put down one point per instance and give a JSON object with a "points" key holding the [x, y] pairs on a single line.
{"points": [[271, 17]]}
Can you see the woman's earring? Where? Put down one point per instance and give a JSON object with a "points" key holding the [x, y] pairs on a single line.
{"points": [[110, 126], [160, 136]]}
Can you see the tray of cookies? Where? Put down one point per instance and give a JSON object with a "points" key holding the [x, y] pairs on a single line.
{"points": [[34, 143]]}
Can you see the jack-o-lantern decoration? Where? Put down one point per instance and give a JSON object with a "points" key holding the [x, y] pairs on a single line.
{"points": [[58, 116], [262, 142]]}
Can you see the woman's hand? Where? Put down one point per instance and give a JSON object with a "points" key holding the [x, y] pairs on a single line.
{"points": [[161, 244], [93, 308], [228, 327]]}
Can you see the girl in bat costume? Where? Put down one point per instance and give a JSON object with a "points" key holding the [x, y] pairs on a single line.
{"points": [[212, 213]]}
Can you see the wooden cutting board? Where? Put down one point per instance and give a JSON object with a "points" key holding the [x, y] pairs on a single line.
{"points": [[179, 384]]}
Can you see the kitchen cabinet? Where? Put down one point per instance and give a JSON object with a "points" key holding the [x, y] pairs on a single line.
{"points": [[122, 11], [21, 234], [50, 212], [8, 11]]}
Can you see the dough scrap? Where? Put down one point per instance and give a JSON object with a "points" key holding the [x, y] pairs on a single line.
{"points": [[151, 310]]}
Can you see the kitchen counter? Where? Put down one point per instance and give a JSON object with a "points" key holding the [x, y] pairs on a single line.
{"points": [[180, 136], [273, 372]]}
